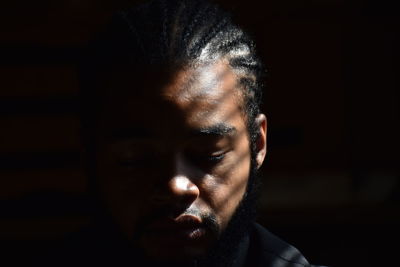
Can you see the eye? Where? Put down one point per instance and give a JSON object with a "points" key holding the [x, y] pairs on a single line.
{"points": [[215, 158], [128, 162], [206, 160], [136, 162]]}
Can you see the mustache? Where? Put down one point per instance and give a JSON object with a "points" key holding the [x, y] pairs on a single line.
{"points": [[208, 219], [205, 219]]}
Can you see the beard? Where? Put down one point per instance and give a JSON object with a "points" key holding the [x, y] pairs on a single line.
{"points": [[226, 251], [232, 244]]}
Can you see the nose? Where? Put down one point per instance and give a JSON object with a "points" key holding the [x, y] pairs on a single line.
{"points": [[176, 187], [183, 189]]}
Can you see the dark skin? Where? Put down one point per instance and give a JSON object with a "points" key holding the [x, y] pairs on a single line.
{"points": [[174, 159]]}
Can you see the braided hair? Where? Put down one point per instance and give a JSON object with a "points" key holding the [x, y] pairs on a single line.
{"points": [[177, 33]]}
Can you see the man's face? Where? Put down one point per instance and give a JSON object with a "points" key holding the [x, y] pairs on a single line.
{"points": [[173, 158]]}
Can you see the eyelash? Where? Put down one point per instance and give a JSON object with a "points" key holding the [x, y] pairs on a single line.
{"points": [[206, 160], [130, 163], [216, 158], [136, 162], [199, 159]]}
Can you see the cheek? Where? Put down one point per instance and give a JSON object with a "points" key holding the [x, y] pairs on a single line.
{"points": [[122, 194], [229, 186]]}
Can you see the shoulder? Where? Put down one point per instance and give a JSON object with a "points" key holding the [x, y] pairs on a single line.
{"points": [[268, 250]]}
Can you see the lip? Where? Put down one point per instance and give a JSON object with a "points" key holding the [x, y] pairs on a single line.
{"points": [[183, 228], [182, 222]]}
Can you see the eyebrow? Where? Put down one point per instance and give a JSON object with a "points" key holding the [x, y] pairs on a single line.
{"points": [[221, 130], [128, 133]]}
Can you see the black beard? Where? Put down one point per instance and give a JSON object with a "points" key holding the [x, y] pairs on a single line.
{"points": [[227, 248], [225, 252]]}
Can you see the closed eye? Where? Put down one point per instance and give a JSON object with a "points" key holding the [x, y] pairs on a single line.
{"points": [[143, 161], [215, 158], [206, 160]]}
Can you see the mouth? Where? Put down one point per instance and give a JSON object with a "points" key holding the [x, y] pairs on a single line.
{"points": [[180, 231], [185, 237]]}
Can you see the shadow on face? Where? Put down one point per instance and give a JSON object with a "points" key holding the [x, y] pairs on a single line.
{"points": [[173, 157]]}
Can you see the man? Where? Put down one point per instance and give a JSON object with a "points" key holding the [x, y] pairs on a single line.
{"points": [[174, 138]]}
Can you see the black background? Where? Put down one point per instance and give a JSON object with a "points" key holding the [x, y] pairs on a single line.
{"points": [[331, 178]]}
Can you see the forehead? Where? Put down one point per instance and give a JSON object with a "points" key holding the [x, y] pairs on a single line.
{"points": [[204, 92], [190, 97]]}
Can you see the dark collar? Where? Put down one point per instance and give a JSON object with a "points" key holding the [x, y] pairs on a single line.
{"points": [[267, 250]]}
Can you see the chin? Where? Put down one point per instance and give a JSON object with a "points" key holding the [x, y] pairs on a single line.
{"points": [[176, 246], [175, 254]]}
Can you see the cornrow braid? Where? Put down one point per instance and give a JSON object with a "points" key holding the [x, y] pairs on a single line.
{"points": [[196, 13], [178, 33]]}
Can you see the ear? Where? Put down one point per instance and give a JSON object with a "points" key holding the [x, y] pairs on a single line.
{"points": [[261, 142]]}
